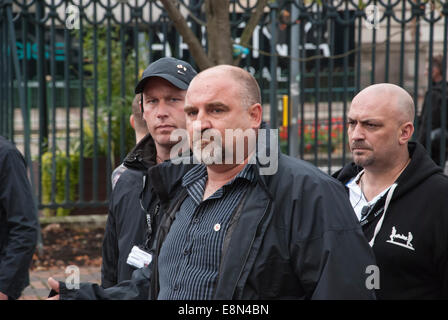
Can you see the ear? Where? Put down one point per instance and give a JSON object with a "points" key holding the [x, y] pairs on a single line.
{"points": [[405, 134], [131, 121], [255, 114]]}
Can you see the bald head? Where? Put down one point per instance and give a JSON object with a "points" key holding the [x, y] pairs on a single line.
{"points": [[380, 124], [397, 99], [248, 86]]}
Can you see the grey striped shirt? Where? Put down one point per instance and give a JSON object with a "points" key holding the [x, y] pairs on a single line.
{"points": [[191, 253]]}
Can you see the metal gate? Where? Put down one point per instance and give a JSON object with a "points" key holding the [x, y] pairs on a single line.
{"points": [[68, 69]]}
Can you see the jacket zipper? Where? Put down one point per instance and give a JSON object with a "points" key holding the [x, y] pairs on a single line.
{"points": [[251, 244]]}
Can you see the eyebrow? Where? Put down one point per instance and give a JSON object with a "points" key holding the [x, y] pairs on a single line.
{"points": [[188, 108], [216, 104], [365, 120]]}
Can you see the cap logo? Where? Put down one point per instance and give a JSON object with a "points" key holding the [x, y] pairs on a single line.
{"points": [[181, 69]]}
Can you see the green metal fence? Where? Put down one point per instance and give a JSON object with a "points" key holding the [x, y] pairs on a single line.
{"points": [[68, 69]]}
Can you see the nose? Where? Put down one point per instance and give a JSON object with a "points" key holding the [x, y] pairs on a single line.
{"points": [[356, 133], [202, 121], [162, 110]]}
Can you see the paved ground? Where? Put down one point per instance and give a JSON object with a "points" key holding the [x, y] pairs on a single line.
{"points": [[39, 289]]}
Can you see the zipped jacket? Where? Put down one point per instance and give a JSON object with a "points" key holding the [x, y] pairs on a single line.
{"points": [[294, 236], [18, 221]]}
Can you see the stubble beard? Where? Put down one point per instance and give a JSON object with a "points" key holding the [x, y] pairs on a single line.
{"points": [[364, 161]]}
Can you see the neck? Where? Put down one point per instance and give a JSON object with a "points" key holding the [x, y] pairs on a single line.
{"points": [[163, 153], [223, 173], [385, 176], [139, 136]]}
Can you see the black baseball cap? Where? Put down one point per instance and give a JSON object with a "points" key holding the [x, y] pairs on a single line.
{"points": [[178, 72]]}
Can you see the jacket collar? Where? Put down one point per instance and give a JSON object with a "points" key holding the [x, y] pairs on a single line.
{"points": [[143, 155]]}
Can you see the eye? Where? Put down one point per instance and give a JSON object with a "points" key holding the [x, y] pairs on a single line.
{"points": [[151, 101], [217, 110], [191, 113]]}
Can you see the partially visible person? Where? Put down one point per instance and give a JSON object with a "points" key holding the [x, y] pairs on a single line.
{"points": [[162, 89], [18, 222], [430, 121], [141, 130], [399, 195]]}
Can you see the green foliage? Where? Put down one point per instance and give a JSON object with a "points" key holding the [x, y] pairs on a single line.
{"points": [[63, 163], [110, 121], [112, 114]]}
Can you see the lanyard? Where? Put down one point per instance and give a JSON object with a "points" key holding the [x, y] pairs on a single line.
{"points": [[148, 215], [386, 205]]}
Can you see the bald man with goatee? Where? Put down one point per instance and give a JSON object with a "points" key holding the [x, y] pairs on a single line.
{"points": [[399, 195]]}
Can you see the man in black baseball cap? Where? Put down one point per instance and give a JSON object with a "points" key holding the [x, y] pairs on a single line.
{"points": [[161, 92]]}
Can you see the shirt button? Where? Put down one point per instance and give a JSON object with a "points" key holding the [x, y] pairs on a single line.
{"points": [[196, 220], [176, 287], [186, 252]]}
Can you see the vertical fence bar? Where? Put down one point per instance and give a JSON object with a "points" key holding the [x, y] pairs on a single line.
{"points": [[345, 81], [443, 122], [372, 74], [294, 82], [330, 92], [429, 106], [317, 86], [302, 55], [110, 159], [3, 81], [67, 41], [53, 103], [95, 104], [273, 67], [416, 12], [403, 35], [41, 93], [25, 57], [122, 83], [358, 57], [81, 102], [388, 14]]}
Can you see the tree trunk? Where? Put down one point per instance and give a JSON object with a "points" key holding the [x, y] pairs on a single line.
{"points": [[218, 31], [220, 43], [196, 50]]}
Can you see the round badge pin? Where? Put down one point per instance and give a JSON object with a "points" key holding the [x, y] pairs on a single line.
{"points": [[217, 227]]}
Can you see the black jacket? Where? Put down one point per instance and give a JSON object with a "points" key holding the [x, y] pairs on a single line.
{"points": [[126, 224], [411, 247], [432, 107], [18, 221], [295, 236]]}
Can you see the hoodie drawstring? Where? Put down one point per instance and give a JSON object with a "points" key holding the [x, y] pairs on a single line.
{"points": [[386, 205]]}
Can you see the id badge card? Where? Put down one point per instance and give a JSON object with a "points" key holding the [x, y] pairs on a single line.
{"points": [[139, 258]]}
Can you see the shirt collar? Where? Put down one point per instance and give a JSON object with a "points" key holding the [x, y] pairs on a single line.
{"points": [[200, 171], [195, 180]]}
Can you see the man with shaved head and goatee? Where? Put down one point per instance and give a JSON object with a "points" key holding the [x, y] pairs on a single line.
{"points": [[399, 195]]}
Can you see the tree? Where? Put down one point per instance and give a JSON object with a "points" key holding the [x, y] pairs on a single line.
{"points": [[220, 43]]}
